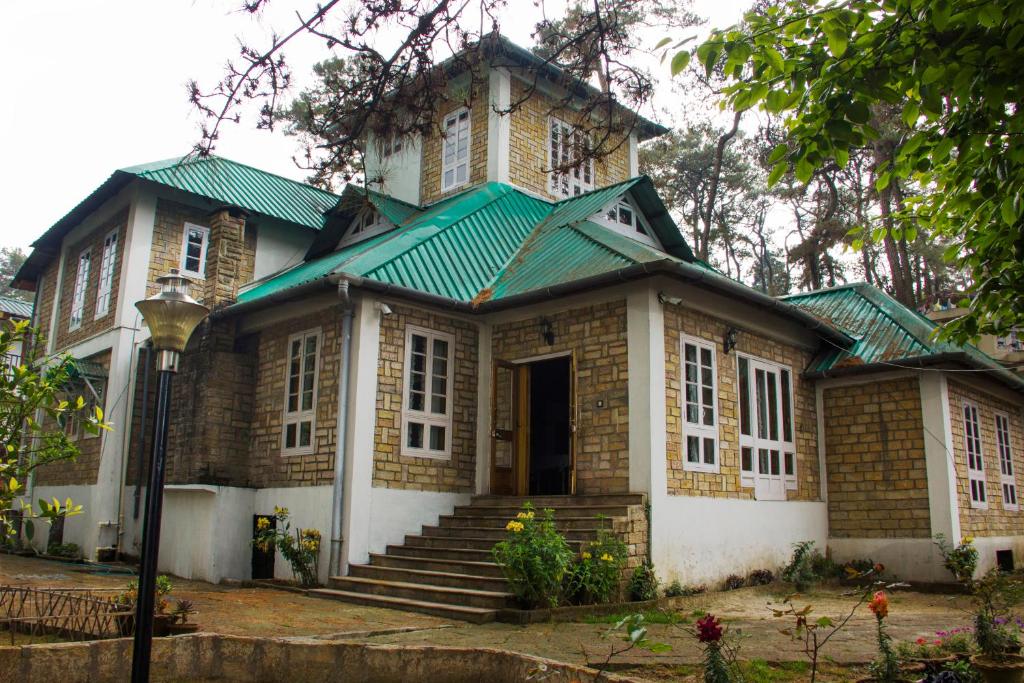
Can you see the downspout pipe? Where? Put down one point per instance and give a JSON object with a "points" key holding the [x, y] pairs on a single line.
{"points": [[341, 428]]}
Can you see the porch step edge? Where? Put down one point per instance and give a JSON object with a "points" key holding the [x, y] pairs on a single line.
{"points": [[477, 615]]}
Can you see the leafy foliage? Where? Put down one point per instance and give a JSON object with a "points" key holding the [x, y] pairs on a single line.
{"points": [[802, 568], [594, 576], [11, 259], [643, 584], [300, 548], [949, 72], [961, 560], [534, 557], [760, 577]]}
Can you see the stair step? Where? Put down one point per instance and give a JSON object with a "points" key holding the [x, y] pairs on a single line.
{"points": [[430, 577], [510, 510], [471, 555], [499, 522], [475, 615], [437, 564], [465, 597], [498, 533], [463, 542], [556, 502]]}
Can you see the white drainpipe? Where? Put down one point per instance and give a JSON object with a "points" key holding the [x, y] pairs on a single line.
{"points": [[341, 429]]}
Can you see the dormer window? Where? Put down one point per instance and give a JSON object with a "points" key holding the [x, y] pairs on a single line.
{"points": [[623, 217], [393, 145], [566, 146], [455, 151], [367, 223]]}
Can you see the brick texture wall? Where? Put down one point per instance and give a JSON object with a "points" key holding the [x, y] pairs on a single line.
{"points": [[83, 469], [996, 520], [94, 243], [596, 335], [430, 170], [391, 469], [528, 145], [47, 298], [726, 483], [874, 440]]}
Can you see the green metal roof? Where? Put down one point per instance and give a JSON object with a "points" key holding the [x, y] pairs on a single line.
{"points": [[885, 331], [15, 307]]}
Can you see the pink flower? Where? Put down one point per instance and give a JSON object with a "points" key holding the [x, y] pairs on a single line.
{"points": [[879, 605], [709, 630]]}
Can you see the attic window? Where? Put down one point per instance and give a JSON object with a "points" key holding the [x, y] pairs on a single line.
{"points": [[393, 145], [566, 147], [367, 223], [623, 217]]}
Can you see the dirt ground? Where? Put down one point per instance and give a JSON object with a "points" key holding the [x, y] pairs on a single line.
{"points": [[269, 612]]}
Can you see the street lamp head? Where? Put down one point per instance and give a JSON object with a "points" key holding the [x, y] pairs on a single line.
{"points": [[171, 315]]}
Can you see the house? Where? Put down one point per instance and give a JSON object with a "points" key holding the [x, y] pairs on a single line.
{"points": [[14, 310], [1008, 349], [403, 366]]}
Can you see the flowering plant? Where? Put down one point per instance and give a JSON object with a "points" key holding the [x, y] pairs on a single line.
{"points": [[887, 667], [595, 575], [533, 557], [719, 659], [961, 560], [300, 548]]}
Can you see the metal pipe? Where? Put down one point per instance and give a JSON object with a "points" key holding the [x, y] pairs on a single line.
{"points": [[143, 414], [146, 599], [341, 428]]}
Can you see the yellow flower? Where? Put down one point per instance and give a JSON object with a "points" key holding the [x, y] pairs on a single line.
{"points": [[262, 523], [587, 556], [280, 511], [968, 540], [525, 515], [606, 557], [514, 526]]}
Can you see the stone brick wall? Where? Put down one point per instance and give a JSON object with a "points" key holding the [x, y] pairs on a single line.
{"points": [[94, 243], [726, 483], [596, 335], [430, 170], [83, 469], [391, 469], [47, 298], [528, 145], [996, 520], [874, 440], [268, 466]]}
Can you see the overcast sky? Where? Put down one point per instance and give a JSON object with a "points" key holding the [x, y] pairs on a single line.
{"points": [[97, 85]]}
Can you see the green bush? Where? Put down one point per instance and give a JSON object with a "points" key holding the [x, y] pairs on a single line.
{"points": [[594, 576], [643, 584], [533, 557], [678, 590], [734, 582], [69, 550], [760, 577], [960, 560], [803, 567]]}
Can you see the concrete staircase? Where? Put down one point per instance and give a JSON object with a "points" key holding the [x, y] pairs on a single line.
{"points": [[447, 570]]}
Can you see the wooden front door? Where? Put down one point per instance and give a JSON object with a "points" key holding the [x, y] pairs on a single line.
{"points": [[505, 400]]}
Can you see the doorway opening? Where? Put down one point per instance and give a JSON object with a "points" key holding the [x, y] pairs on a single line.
{"points": [[550, 439]]}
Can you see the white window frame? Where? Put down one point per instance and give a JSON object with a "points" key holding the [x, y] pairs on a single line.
{"points": [[698, 430], [393, 145], [1004, 451], [452, 138], [575, 181], [78, 296], [975, 453], [106, 285], [369, 222], [639, 229], [426, 417], [299, 416], [201, 273], [750, 477]]}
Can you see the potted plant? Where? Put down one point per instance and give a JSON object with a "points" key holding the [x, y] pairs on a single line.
{"points": [[124, 607], [929, 654], [179, 619], [999, 660]]}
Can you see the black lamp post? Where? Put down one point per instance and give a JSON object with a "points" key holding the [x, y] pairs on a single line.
{"points": [[171, 315]]}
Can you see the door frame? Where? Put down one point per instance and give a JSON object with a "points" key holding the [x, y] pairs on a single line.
{"points": [[521, 419]]}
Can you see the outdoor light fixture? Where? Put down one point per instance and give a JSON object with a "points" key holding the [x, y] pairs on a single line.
{"points": [[729, 343], [546, 332], [666, 299], [171, 316]]}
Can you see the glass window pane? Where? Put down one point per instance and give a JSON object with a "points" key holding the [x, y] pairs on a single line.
{"points": [[690, 353], [416, 400], [419, 343], [762, 461], [439, 405], [773, 406], [289, 436], [744, 397], [437, 436], [705, 356], [762, 404], [790, 463], [693, 449], [747, 459], [709, 451], [415, 435], [305, 433], [691, 413], [775, 463], [787, 409]]}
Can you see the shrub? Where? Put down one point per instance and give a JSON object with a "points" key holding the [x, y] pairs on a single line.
{"points": [[533, 557], [301, 549], [961, 560], [734, 581], [125, 600], [69, 550], [801, 570], [594, 576], [643, 584], [760, 577], [678, 590]]}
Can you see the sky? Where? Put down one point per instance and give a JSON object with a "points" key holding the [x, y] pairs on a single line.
{"points": [[97, 85]]}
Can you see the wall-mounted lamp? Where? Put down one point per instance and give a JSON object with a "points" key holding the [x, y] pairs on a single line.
{"points": [[383, 308], [666, 299], [729, 343], [546, 333]]}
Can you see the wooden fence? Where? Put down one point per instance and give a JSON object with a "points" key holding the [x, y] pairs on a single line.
{"points": [[68, 613]]}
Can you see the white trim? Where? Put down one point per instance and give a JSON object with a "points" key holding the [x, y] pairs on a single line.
{"points": [[644, 234], [634, 155], [940, 467], [483, 408], [780, 446], [819, 409], [453, 165], [645, 336], [973, 446], [1004, 455], [377, 226], [426, 417], [538, 357], [499, 126], [201, 273], [699, 430], [564, 184], [299, 416], [105, 288], [77, 313]]}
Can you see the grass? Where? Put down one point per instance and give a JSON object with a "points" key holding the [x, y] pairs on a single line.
{"points": [[656, 616], [760, 671]]}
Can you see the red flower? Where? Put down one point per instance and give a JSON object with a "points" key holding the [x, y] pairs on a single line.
{"points": [[879, 605], [921, 641], [709, 630]]}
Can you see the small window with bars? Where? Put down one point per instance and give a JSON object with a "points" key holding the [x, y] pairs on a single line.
{"points": [[700, 408], [427, 410], [1007, 478], [106, 286], [975, 458], [78, 297], [572, 173], [302, 374], [455, 150], [193, 250]]}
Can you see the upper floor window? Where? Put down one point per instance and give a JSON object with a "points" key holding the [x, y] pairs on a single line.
{"points": [[301, 378], [625, 218], [392, 145], [767, 439], [1007, 479], [455, 152], [106, 286], [566, 147], [193, 250], [1012, 342], [975, 459], [700, 409], [78, 298], [91, 390], [367, 223], [427, 409]]}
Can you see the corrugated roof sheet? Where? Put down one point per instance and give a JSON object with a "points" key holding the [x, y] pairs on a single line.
{"points": [[15, 307]]}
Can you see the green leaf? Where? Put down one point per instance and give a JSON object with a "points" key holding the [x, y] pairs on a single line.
{"points": [[680, 62], [774, 59], [804, 170], [837, 38], [778, 152], [883, 180], [1008, 212], [776, 101], [778, 171], [858, 112], [662, 43], [910, 113]]}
